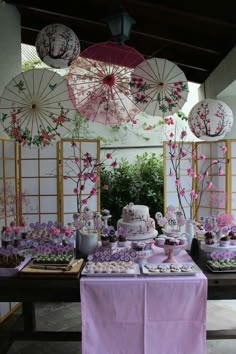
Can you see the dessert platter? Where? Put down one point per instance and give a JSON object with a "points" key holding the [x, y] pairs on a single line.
{"points": [[138, 223], [222, 262], [222, 266], [108, 269], [170, 269]]}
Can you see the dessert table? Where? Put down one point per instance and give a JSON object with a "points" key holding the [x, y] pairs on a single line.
{"points": [[144, 314]]}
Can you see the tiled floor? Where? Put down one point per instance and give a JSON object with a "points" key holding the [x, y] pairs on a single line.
{"points": [[221, 315]]}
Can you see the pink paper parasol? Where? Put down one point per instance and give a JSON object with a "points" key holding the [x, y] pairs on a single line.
{"points": [[99, 89], [114, 53]]}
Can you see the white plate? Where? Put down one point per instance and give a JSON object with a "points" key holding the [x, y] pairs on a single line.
{"points": [[111, 275], [194, 271], [215, 247]]}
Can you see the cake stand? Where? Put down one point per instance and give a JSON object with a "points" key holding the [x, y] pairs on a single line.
{"points": [[171, 251]]}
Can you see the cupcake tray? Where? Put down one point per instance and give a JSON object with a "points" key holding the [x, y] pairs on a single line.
{"points": [[111, 275], [220, 271], [195, 270]]}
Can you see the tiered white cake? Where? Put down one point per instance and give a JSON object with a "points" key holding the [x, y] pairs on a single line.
{"points": [[136, 220]]}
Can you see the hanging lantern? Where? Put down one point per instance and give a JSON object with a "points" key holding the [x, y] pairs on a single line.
{"points": [[120, 24], [210, 120], [57, 45]]}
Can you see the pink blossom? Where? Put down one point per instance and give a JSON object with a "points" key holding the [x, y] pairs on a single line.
{"points": [[209, 184], [106, 187], [65, 178], [192, 193], [182, 192], [215, 162], [202, 157], [206, 173], [108, 155], [190, 171], [86, 176], [200, 177], [18, 230], [75, 190], [95, 178], [80, 175], [220, 171], [183, 153], [173, 146], [195, 196], [76, 159], [23, 223], [183, 134], [114, 164], [177, 182], [67, 233], [74, 144], [12, 224], [171, 173], [223, 148], [134, 121], [8, 230], [84, 201], [82, 187], [93, 191], [194, 153], [171, 135]]}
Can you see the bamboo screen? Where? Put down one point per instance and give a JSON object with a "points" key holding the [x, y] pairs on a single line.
{"points": [[9, 193], [39, 182], [222, 196], [38, 176]]}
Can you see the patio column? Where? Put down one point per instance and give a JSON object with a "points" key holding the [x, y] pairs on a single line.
{"points": [[231, 102], [10, 43]]}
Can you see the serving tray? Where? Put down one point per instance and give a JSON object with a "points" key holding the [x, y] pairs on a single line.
{"points": [[195, 269], [111, 275], [220, 271]]}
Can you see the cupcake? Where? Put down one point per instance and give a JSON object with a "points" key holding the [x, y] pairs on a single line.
{"points": [[209, 238]]}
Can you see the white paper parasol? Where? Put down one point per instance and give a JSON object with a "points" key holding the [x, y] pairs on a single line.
{"points": [[159, 87], [35, 108]]}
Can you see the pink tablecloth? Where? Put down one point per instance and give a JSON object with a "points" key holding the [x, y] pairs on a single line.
{"points": [[144, 315]]}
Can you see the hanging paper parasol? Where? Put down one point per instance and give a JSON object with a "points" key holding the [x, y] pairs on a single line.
{"points": [[35, 108], [114, 53], [100, 90], [159, 87]]}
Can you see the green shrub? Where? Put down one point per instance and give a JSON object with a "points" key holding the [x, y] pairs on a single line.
{"points": [[140, 182]]}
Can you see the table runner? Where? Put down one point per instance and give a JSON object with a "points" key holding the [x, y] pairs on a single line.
{"points": [[144, 315]]}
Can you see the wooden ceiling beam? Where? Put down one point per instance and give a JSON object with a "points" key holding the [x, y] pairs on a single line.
{"points": [[181, 13], [103, 26]]}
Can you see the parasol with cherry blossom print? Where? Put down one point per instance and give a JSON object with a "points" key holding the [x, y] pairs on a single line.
{"points": [[99, 83], [159, 87], [35, 108]]}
